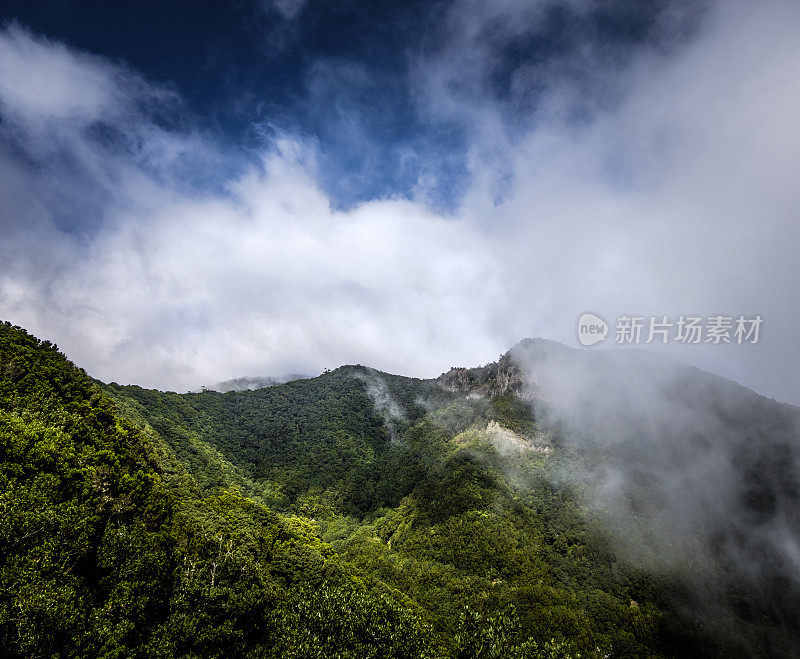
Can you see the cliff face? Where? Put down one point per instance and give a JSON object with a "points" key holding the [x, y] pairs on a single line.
{"points": [[485, 381], [514, 372]]}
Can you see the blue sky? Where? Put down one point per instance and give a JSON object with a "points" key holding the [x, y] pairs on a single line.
{"points": [[342, 74], [252, 188]]}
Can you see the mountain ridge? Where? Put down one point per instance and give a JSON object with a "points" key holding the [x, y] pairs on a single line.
{"points": [[250, 382], [596, 506]]}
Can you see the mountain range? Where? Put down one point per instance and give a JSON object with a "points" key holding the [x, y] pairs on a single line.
{"points": [[555, 503]]}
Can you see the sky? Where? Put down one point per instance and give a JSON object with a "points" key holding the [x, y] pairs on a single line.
{"points": [[191, 192]]}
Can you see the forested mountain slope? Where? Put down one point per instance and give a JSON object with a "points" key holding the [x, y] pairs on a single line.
{"points": [[108, 548], [445, 499], [365, 514]]}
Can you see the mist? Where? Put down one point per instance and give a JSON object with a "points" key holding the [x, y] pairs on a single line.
{"points": [[692, 476], [384, 403], [650, 178]]}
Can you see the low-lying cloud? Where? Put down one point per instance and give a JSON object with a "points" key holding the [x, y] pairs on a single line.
{"points": [[693, 476]]}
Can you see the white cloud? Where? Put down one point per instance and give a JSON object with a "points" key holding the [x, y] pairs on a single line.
{"points": [[679, 198], [44, 82], [174, 288], [287, 8]]}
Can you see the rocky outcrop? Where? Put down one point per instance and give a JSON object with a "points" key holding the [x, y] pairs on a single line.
{"points": [[486, 381]]}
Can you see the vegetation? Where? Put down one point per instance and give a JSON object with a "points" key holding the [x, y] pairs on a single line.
{"points": [[107, 550], [356, 514]]}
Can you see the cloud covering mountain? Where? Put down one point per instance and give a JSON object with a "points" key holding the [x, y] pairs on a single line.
{"points": [[650, 176]]}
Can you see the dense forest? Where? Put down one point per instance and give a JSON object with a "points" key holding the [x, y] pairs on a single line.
{"points": [[355, 514]]}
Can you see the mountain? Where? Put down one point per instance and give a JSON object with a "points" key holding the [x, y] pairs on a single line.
{"points": [[109, 548], [556, 503]]}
